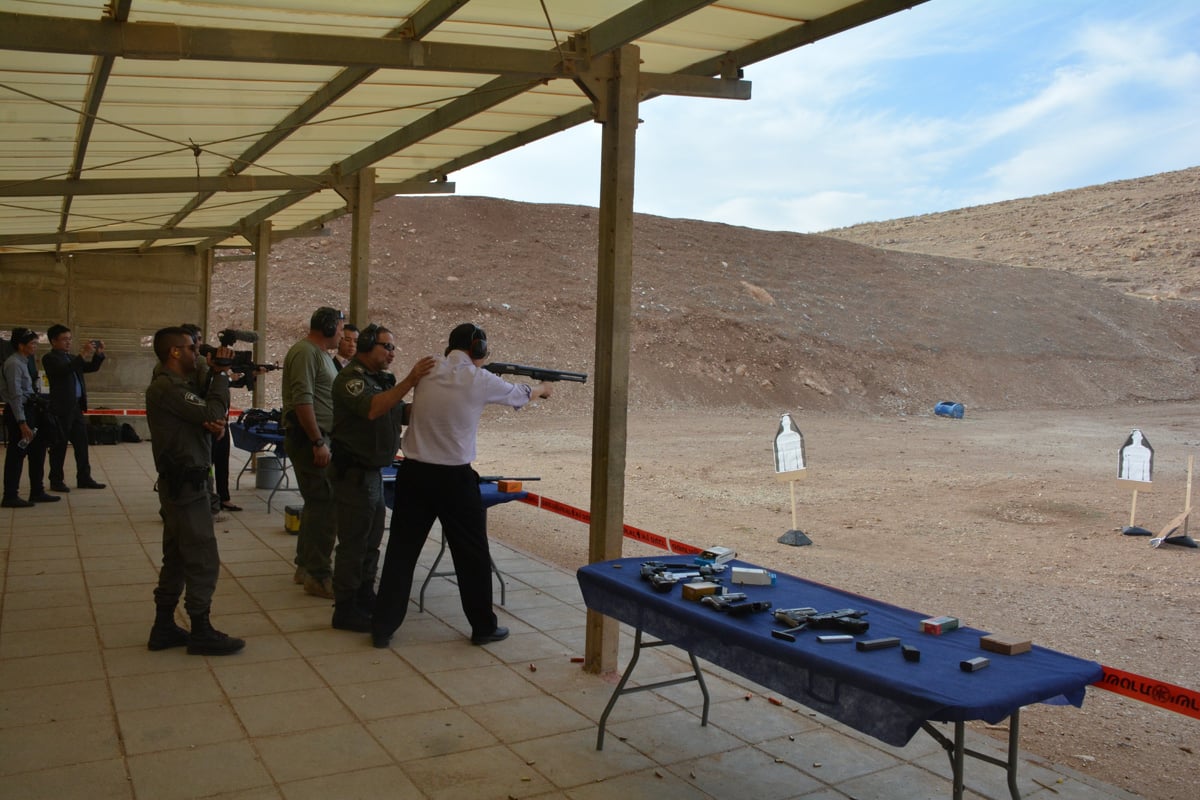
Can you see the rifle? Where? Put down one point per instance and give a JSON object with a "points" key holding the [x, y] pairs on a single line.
{"points": [[537, 373], [798, 619], [494, 478]]}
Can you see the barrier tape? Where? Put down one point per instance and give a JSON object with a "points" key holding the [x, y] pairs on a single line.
{"points": [[1137, 687], [1148, 690]]}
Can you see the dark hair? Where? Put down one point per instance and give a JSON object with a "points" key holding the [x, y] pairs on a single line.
{"points": [[350, 326], [165, 339], [192, 329], [56, 331], [368, 337], [23, 336], [325, 320], [469, 338]]}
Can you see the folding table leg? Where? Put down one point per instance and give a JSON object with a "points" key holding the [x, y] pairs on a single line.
{"points": [[433, 573], [638, 644], [957, 751]]}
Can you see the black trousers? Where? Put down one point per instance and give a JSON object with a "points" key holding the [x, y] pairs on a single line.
{"points": [[75, 434], [449, 494], [15, 457]]}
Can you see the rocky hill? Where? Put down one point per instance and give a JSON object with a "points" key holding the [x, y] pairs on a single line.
{"points": [[1059, 300]]}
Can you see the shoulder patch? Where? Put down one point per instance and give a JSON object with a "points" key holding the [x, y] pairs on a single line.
{"points": [[194, 398], [355, 386]]}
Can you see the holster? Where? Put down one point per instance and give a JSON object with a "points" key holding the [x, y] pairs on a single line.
{"points": [[177, 479]]}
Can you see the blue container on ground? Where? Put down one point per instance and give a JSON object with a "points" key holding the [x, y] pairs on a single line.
{"points": [[949, 408]]}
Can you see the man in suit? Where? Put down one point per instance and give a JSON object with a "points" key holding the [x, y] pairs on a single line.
{"points": [[68, 401]]}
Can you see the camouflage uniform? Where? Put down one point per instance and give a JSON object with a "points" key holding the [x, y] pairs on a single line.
{"points": [[361, 448], [182, 456]]}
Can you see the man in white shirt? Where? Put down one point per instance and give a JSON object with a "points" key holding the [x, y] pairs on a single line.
{"points": [[436, 481]]}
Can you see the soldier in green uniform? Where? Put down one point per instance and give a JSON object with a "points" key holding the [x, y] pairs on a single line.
{"points": [[180, 421], [368, 406]]}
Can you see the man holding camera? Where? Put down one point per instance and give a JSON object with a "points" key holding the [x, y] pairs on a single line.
{"points": [[368, 408], [68, 402], [23, 412], [308, 373]]}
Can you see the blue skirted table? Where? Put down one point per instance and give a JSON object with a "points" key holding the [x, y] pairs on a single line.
{"points": [[264, 439], [877, 692]]}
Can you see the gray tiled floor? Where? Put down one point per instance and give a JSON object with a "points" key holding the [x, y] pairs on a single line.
{"points": [[308, 712]]}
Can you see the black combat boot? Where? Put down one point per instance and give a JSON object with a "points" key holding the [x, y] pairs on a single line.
{"points": [[347, 616], [205, 640], [166, 634], [365, 597]]}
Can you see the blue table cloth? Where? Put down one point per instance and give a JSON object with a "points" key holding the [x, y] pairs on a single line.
{"points": [[876, 692]]}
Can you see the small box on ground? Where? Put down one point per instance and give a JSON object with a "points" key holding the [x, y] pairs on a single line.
{"points": [[939, 625], [291, 518], [1005, 645], [694, 591], [752, 576]]}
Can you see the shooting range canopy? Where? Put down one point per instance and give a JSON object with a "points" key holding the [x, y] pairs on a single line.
{"points": [[144, 124]]}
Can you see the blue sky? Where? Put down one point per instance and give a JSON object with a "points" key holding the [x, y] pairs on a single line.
{"points": [[952, 104]]}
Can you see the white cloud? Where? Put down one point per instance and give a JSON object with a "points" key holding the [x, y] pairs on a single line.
{"points": [[940, 107]]}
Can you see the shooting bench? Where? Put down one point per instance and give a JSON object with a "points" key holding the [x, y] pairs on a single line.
{"points": [[877, 692]]}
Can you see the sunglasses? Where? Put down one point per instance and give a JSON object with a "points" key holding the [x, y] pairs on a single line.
{"points": [[386, 346]]}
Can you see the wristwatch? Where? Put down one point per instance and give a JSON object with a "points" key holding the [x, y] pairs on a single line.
{"points": [[320, 442]]}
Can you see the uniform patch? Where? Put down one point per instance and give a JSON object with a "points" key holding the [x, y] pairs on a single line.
{"points": [[194, 399], [355, 386]]}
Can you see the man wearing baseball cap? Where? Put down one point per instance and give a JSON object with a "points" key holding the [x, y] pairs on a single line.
{"points": [[22, 411]]}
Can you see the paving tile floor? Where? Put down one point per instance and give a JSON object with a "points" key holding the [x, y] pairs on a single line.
{"points": [[309, 712]]}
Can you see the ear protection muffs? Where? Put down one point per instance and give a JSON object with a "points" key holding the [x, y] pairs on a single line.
{"points": [[479, 345], [326, 320], [367, 338]]}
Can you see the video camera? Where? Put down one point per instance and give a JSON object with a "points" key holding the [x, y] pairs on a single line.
{"points": [[243, 360]]}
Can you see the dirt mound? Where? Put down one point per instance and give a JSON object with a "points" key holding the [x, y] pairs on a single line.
{"points": [[728, 316]]}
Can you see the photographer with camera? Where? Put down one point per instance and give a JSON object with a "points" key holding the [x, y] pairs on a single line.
{"points": [[24, 410], [68, 402]]}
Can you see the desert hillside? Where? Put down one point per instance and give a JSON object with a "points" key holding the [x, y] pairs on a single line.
{"points": [[726, 316]]}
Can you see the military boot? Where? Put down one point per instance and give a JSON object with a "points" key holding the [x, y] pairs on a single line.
{"points": [[347, 616], [205, 640], [365, 597], [166, 633]]}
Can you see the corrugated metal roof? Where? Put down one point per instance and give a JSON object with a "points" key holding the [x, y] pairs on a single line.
{"points": [[152, 123]]}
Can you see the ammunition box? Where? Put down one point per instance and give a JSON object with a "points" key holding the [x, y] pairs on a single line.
{"points": [[694, 591], [1005, 645], [939, 625]]}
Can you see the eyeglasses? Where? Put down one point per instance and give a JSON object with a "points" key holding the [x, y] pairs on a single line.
{"points": [[386, 346]]}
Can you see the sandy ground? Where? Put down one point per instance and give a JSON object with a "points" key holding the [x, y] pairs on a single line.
{"points": [[1008, 520]]}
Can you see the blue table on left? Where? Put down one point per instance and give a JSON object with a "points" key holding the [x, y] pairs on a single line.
{"points": [[262, 439]]}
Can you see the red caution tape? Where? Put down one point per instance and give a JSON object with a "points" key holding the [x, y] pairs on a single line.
{"points": [[630, 532], [1148, 690]]}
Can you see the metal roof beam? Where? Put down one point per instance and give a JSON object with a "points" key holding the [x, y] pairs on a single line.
{"points": [[209, 185], [428, 17], [168, 42], [634, 22], [131, 235]]}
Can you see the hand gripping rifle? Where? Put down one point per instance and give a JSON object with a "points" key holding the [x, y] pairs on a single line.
{"points": [[537, 373]]}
